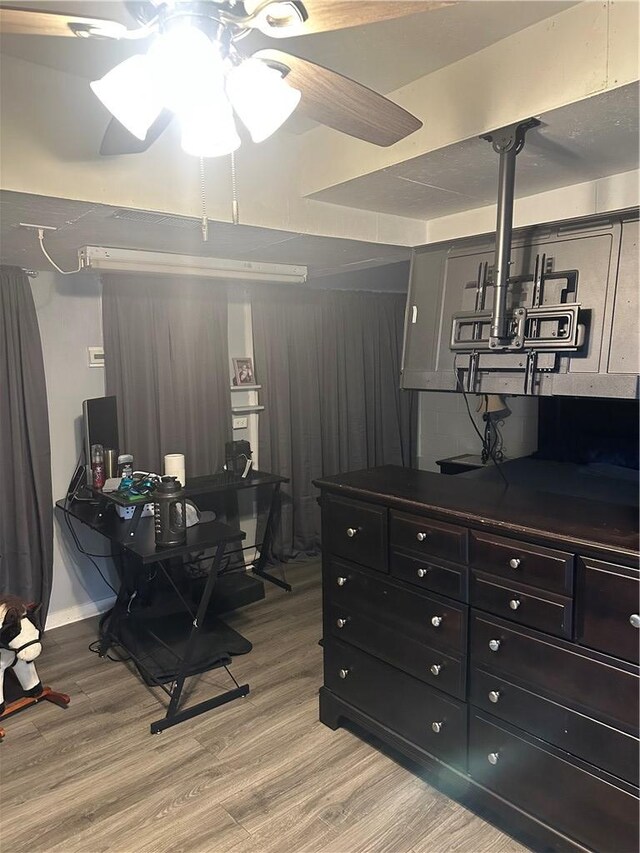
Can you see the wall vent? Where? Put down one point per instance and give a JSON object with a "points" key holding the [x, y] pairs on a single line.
{"points": [[147, 217]]}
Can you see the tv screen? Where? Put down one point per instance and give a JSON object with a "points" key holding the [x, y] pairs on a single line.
{"points": [[584, 430]]}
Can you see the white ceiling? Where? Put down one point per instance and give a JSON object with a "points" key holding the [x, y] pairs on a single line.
{"points": [[581, 142], [80, 224]]}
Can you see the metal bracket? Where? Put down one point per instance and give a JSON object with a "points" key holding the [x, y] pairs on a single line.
{"points": [[510, 137], [526, 330], [472, 372], [530, 372], [507, 142]]}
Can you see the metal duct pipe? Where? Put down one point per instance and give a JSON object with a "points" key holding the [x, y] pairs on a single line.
{"points": [[507, 142]]}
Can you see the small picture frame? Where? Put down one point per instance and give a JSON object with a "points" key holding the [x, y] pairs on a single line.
{"points": [[243, 371]]}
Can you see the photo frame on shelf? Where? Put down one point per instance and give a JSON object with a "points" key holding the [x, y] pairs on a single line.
{"points": [[243, 371]]}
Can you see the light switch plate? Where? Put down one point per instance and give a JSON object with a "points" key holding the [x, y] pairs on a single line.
{"points": [[96, 356], [240, 423]]}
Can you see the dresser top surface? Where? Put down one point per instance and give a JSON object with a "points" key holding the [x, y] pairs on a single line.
{"points": [[594, 528]]}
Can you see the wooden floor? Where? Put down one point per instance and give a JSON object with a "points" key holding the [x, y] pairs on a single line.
{"points": [[260, 774]]}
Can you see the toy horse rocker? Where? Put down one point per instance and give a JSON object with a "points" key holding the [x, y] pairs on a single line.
{"points": [[19, 647]]}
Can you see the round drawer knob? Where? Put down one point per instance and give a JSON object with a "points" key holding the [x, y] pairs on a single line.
{"points": [[494, 695], [351, 532], [493, 757], [437, 727], [514, 562], [421, 536], [436, 621], [343, 673], [494, 645], [634, 619], [422, 573], [341, 581], [341, 623], [514, 603], [435, 669]]}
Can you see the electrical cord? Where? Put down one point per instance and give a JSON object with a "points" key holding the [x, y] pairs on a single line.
{"points": [[76, 539], [94, 648], [50, 259], [490, 449]]}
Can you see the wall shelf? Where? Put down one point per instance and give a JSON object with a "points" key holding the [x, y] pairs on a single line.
{"points": [[245, 387], [246, 410]]}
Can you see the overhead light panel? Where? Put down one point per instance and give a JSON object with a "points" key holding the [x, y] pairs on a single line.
{"points": [[165, 263]]}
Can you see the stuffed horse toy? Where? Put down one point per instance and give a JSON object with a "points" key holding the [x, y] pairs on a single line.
{"points": [[19, 647]]}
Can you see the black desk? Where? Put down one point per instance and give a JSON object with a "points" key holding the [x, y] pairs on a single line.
{"points": [[134, 553], [210, 486]]}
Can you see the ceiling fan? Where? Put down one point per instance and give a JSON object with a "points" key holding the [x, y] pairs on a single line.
{"points": [[193, 68]]}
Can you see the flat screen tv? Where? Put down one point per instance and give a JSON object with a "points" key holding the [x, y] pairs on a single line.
{"points": [[585, 430]]}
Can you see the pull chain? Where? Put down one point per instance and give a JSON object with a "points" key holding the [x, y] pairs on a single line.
{"points": [[235, 213], [203, 194]]}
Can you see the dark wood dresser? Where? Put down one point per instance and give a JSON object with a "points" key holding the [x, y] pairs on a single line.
{"points": [[490, 635]]}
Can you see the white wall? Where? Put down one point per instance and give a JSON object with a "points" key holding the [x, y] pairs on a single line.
{"points": [[444, 428], [69, 313]]}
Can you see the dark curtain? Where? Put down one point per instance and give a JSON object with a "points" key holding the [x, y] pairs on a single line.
{"points": [[167, 362], [26, 505], [329, 364]]}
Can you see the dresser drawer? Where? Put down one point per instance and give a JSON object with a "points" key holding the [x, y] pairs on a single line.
{"points": [[592, 808], [442, 669], [433, 575], [432, 721], [608, 608], [601, 745], [357, 531], [523, 562], [586, 680], [427, 537], [525, 605], [428, 619]]}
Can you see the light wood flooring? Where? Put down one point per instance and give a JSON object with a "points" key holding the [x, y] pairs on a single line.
{"points": [[258, 775]]}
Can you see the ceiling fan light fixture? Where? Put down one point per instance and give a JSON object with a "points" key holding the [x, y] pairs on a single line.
{"points": [[187, 67], [130, 93], [279, 19], [209, 132], [261, 97]]}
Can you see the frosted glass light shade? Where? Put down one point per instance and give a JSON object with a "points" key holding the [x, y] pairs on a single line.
{"points": [[209, 132], [130, 93], [187, 67], [261, 97]]}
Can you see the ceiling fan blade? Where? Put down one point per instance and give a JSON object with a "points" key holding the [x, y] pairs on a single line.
{"points": [[341, 103], [32, 22], [324, 15], [118, 140]]}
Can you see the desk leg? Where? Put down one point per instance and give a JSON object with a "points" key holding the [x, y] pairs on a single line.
{"points": [[259, 567], [173, 716]]}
